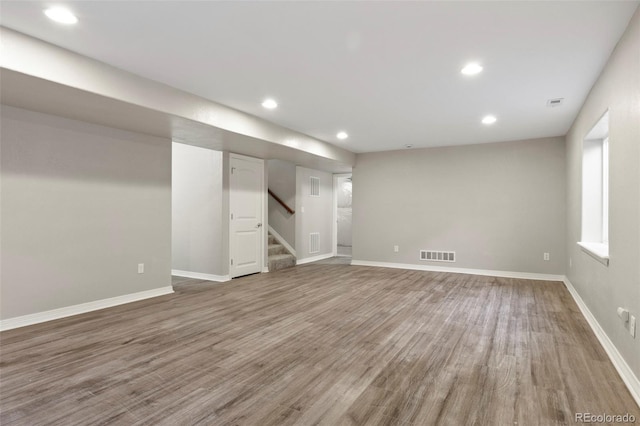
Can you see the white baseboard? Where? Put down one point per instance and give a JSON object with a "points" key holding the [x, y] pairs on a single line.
{"points": [[484, 272], [68, 311], [314, 258], [265, 269], [625, 372], [282, 240], [200, 276]]}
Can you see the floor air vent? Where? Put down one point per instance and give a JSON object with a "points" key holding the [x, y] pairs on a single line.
{"points": [[438, 256]]}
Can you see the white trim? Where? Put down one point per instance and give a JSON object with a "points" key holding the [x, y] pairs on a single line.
{"points": [[625, 372], [490, 273], [598, 251], [200, 276], [314, 258], [39, 317], [245, 157], [265, 269], [282, 240]]}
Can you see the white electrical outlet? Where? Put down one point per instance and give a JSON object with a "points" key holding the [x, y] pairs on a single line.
{"points": [[546, 256], [396, 249], [141, 268], [632, 326]]}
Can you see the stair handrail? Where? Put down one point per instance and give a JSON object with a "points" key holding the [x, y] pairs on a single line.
{"points": [[282, 203]]}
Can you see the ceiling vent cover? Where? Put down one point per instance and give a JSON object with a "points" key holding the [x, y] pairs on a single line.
{"points": [[438, 256], [555, 102]]}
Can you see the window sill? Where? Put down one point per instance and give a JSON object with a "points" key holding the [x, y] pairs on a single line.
{"points": [[598, 251]]}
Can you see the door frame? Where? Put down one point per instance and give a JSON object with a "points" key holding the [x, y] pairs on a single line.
{"points": [[336, 177], [263, 193]]}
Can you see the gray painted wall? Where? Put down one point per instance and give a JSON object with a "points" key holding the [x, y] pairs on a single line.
{"points": [[499, 206], [602, 288], [196, 207], [82, 205], [313, 214], [282, 181]]}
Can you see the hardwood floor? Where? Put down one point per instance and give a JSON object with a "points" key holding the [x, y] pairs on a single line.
{"points": [[317, 344]]}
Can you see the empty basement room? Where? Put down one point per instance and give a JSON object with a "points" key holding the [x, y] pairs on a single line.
{"points": [[170, 203]]}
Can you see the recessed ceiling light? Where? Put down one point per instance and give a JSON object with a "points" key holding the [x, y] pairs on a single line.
{"points": [[471, 68], [61, 15], [342, 135], [489, 119], [269, 104], [408, 146]]}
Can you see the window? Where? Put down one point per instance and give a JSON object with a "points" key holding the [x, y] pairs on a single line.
{"points": [[595, 191], [605, 191]]}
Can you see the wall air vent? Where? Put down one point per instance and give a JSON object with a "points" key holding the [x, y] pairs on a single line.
{"points": [[555, 102], [314, 242], [438, 256], [314, 186]]}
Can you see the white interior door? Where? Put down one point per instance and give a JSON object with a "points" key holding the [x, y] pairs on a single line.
{"points": [[246, 197]]}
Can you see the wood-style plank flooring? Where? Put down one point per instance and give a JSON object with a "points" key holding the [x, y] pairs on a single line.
{"points": [[328, 344]]}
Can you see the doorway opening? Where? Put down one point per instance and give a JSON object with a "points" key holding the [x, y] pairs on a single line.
{"points": [[343, 190]]}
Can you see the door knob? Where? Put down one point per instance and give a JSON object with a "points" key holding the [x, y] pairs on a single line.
{"points": [[258, 225]]}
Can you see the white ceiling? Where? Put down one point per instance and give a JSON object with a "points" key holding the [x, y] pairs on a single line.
{"points": [[388, 73]]}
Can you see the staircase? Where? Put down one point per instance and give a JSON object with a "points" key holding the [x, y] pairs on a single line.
{"points": [[279, 256]]}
